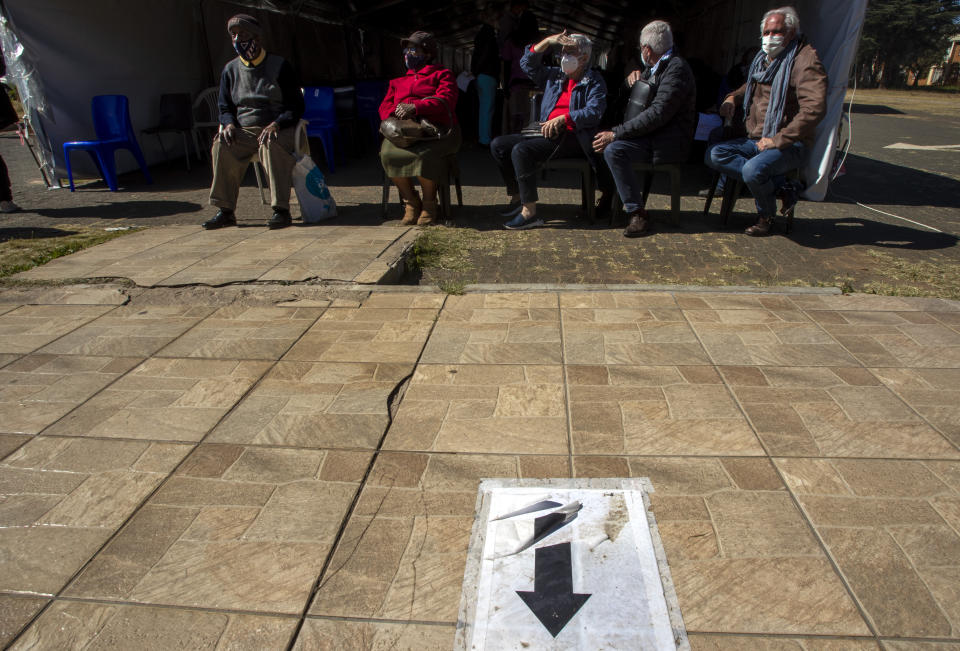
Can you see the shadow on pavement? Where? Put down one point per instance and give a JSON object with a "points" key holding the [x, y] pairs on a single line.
{"points": [[878, 183], [27, 233], [122, 209], [875, 109]]}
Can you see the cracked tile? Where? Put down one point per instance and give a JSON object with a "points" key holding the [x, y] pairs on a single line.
{"points": [[482, 408], [316, 404], [240, 332]]}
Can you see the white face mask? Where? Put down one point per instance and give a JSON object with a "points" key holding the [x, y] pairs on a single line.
{"points": [[772, 45], [643, 60], [569, 64]]}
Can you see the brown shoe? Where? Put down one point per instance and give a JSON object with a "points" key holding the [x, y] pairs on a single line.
{"points": [[639, 224], [411, 212], [429, 213], [761, 228]]}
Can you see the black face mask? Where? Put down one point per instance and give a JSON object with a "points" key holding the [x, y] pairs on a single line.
{"points": [[414, 61], [248, 50]]}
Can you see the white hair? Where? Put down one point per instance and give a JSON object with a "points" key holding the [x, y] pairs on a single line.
{"points": [[657, 36], [584, 44], [791, 19]]}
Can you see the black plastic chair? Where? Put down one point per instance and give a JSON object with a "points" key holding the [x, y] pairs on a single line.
{"points": [[588, 182], [176, 116], [731, 192], [649, 169]]}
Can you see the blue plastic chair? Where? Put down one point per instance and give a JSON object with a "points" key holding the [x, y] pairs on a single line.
{"points": [[369, 96], [321, 115], [111, 121]]}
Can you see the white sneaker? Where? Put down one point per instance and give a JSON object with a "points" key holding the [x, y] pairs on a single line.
{"points": [[8, 207]]}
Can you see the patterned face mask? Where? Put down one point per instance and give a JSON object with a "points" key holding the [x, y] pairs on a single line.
{"points": [[248, 50], [413, 60]]}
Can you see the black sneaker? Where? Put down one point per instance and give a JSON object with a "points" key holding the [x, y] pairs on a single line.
{"points": [[281, 219], [224, 217]]}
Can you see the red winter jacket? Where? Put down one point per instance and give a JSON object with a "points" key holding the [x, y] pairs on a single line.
{"points": [[412, 88]]}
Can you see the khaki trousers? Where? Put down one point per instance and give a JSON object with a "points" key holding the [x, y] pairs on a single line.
{"points": [[230, 164]]}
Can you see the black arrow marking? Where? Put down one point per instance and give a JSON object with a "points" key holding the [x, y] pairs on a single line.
{"points": [[553, 600]]}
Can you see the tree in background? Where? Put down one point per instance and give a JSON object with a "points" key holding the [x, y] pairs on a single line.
{"points": [[901, 35]]}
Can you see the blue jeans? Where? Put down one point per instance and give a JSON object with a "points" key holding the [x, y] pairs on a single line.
{"points": [[620, 155], [487, 90], [762, 171]]}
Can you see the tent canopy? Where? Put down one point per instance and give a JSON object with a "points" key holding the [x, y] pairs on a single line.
{"points": [[142, 50]]}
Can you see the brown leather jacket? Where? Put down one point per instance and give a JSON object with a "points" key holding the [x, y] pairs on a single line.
{"points": [[805, 106]]}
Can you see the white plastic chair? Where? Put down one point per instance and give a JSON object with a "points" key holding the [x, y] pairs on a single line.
{"points": [[206, 115]]}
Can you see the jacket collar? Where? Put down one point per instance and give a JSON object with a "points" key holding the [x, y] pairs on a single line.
{"points": [[428, 69]]}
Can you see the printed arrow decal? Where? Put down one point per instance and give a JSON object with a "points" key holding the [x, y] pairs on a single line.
{"points": [[553, 600]]}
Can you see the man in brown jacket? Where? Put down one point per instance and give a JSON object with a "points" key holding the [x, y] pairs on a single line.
{"points": [[784, 99]]}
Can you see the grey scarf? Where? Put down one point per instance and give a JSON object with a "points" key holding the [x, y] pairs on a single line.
{"points": [[777, 74]]}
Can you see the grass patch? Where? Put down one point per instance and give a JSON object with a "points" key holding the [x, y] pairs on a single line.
{"points": [[27, 252], [443, 248], [904, 278]]}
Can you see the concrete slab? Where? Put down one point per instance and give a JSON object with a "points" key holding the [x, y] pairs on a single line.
{"points": [[187, 255]]}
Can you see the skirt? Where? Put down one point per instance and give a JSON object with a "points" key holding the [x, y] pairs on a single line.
{"points": [[425, 158]]}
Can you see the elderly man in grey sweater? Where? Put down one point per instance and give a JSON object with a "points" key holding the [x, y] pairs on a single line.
{"points": [[260, 106]]}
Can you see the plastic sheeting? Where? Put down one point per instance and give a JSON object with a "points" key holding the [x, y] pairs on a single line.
{"points": [[21, 71], [834, 30]]}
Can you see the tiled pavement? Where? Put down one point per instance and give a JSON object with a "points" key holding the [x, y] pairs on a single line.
{"points": [[187, 255], [261, 477]]}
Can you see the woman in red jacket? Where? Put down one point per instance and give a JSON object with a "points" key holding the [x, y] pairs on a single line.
{"points": [[426, 91]]}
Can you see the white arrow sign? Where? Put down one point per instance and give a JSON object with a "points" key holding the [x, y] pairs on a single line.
{"points": [[588, 574]]}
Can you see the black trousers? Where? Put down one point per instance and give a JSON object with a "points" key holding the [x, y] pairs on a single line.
{"points": [[520, 159]]}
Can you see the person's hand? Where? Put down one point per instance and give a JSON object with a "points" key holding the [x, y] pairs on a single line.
{"points": [[727, 108], [269, 133], [561, 39], [404, 111], [228, 134], [765, 143], [633, 77], [602, 139], [551, 128]]}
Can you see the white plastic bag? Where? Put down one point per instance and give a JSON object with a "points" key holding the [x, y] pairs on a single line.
{"points": [[316, 202]]}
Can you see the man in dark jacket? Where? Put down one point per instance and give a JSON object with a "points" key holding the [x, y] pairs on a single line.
{"points": [[784, 99], [661, 133], [260, 106]]}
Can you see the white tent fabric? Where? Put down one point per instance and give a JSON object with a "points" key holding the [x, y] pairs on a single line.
{"points": [[82, 49], [834, 29]]}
